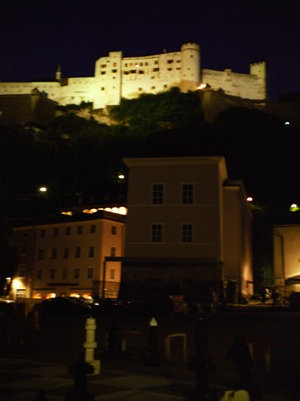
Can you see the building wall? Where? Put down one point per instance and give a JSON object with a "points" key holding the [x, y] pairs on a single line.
{"points": [[204, 214], [117, 76], [237, 239], [286, 246], [54, 266]]}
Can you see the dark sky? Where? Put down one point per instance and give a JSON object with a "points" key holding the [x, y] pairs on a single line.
{"points": [[36, 35]]}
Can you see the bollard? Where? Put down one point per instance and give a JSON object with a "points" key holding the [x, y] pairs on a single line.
{"points": [[153, 357], [79, 370], [90, 345]]}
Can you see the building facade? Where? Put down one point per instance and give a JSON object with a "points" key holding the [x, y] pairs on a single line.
{"points": [[69, 257], [286, 252], [188, 230], [119, 77]]}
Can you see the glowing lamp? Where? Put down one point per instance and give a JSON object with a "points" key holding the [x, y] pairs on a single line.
{"points": [[294, 207], [43, 189]]}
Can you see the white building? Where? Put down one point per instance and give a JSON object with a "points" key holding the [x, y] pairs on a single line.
{"points": [[128, 77]]}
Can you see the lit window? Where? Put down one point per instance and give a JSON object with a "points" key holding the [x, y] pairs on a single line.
{"points": [[114, 230], [90, 272], [77, 252], [76, 272], [156, 232], [157, 194], [187, 192], [79, 229], [112, 274], [187, 232], [113, 251], [91, 251]]}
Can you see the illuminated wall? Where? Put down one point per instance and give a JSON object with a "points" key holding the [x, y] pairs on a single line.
{"points": [[68, 258], [286, 246], [117, 76]]}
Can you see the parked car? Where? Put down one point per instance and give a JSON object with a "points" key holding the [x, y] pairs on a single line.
{"points": [[61, 306]]}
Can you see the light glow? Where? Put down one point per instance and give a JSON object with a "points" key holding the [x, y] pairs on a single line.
{"points": [[294, 207], [202, 86], [249, 199], [43, 189]]}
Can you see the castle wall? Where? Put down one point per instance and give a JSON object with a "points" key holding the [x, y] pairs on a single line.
{"points": [[246, 86], [116, 77]]}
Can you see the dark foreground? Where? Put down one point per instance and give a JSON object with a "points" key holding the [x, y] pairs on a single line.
{"points": [[35, 357]]}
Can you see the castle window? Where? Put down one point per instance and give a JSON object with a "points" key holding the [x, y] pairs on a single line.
{"points": [[133, 71], [126, 64], [178, 68], [165, 86], [114, 64], [114, 230], [91, 251], [93, 228], [141, 72], [103, 72], [68, 230], [140, 89], [191, 56], [126, 72], [155, 62], [156, 69], [112, 274], [170, 61], [103, 65], [102, 88], [113, 251], [90, 272], [66, 253], [146, 63], [65, 274], [114, 70], [170, 69], [76, 272], [152, 87]]}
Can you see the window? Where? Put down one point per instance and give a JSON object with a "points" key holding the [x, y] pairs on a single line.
{"points": [[170, 61], [43, 233], [66, 253], [114, 70], [90, 272], [187, 232], [91, 251], [93, 228], [103, 72], [41, 254], [156, 69], [157, 194], [55, 232], [103, 65], [79, 229], [113, 230], [65, 274], [156, 232], [68, 230], [187, 191], [52, 274], [76, 272], [112, 274], [77, 252], [39, 274], [113, 251], [23, 249], [54, 253]]}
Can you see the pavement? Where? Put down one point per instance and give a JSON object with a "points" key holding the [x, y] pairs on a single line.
{"points": [[119, 380]]}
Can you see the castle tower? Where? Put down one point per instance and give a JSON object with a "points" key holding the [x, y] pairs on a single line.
{"points": [[260, 71], [190, 66], [58, 75]]}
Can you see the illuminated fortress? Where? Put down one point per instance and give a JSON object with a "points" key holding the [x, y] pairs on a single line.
{"points": [[128, 77]]}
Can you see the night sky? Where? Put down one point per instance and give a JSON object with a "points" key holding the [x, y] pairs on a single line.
{"points": [[36, 35]]}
